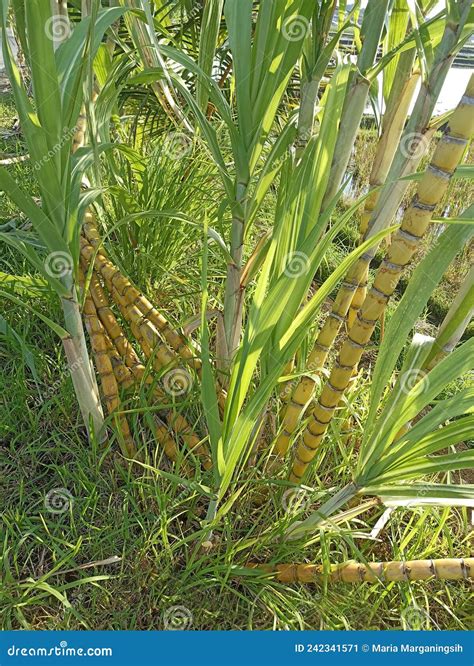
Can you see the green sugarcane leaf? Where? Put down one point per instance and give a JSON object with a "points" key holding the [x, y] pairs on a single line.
{"points": [[24, 284], [71, 59], [427, 445], [333, 104], [270, 170], [459, 315], [397, 28], [386, 427], [43, 70], [410, 307], [211, 139], [415, 400], [287, 40], [238, 16], [423, 493], [210, 26], [43, 265], [31, 128], [238, 431], [413, 442], [429, 465], [321, 64], [208, 393], [45, 229]]}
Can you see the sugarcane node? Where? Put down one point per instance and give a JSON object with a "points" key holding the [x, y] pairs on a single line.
{"points": [[458, 140], [301, 450], [321, 425], [294, 477], [311, 441], [318, 420], [378, 294], [335, 389], [351, 286], [416, 203], [338, 317], [319, 345], [296, 404], [439, 172]]}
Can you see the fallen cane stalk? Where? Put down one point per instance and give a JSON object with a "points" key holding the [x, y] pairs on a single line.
{"points": [[355, 572]]}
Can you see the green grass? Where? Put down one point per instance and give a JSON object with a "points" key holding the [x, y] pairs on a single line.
{"points": [[153, 524], [152, 519]]}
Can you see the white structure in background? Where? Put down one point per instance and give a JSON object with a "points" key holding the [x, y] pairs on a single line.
{"points": [[11, 39]]}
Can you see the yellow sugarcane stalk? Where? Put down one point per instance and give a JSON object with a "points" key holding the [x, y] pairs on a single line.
{"points": [[355, 572], [132, 371], [127, 296], [406, 241], [133, 298], [353, 290], [105, 370], [378, 178], [113, 328], [304, 390]]}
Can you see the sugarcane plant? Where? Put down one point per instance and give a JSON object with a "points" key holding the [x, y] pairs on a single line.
{"points": [[263, 354], [48, 122]]}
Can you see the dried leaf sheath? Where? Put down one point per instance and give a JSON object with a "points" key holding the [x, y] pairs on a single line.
{"points": [[406, 241], [354, 572]]}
